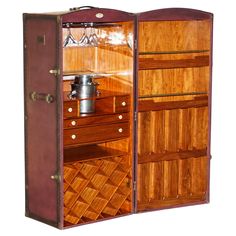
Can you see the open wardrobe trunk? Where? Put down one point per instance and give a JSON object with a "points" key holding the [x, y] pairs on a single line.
{"points": [[117, 112]]}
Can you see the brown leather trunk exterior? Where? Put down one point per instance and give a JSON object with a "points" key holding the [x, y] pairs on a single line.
{"points": [[43, 131], [89, 15]]}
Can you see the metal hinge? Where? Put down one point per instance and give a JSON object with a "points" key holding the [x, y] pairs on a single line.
{"points": [[135, 116], [135, 44], [55, 72], [56, 177], [134, 186]]}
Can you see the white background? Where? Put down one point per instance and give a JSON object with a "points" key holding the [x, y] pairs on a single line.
{"points": [[216, 217]]}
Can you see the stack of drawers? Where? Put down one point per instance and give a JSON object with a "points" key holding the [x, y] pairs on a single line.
{"points": [[101, 126]]}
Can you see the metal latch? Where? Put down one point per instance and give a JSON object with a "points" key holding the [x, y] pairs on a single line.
{"points": [[135, 44], [135, 185], [56, 177], [55, 72]]}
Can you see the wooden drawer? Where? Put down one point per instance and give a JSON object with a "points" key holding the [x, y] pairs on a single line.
{"points": [[93, 120], [96, 134], [70, 109], [122, 103]]}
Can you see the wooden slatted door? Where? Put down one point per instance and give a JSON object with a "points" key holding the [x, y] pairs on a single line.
{"points": [[173, 109]]}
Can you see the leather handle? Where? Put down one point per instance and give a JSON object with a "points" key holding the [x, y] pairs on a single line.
{"points": [[41, 97], [81, 8]]}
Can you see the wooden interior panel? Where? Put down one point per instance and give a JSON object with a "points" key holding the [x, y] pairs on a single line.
{"points": [[173, 81], [172, 161], [80, 59], [103, 58], [165, 36], [171, 183], [173, 87], [172, 130]]}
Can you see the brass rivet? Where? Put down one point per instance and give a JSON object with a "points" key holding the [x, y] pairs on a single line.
{"points": [[123, 104], [73, 122], [120, 117], [70, 109]]}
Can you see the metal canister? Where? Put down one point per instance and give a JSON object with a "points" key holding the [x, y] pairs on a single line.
{"points": [[85, 89]]}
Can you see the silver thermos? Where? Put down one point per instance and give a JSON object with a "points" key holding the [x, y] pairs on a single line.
{"points": [[86, 89]]}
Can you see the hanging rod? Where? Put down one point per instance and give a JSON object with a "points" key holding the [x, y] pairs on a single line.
{"points": [[88, 24]]}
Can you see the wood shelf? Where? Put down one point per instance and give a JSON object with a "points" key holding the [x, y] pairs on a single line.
{"points": [[173, 52], [173, 94], [151, 105], [152, 64], [169, 156], [90, 152]]}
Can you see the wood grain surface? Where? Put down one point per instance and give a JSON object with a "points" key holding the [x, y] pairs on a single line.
{"points": [[173, 119]]}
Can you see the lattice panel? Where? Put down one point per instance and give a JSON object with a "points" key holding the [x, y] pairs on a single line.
{"points": [[96, 189]]}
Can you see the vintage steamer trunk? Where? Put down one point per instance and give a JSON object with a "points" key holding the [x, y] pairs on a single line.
{"points": [[146, 145]]}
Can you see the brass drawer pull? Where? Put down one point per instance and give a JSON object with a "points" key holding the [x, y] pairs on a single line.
{"points": [[120, 117], [123, 104], [73, 122], [70, 109], [73, 136], [41, 97], [120, 130]]}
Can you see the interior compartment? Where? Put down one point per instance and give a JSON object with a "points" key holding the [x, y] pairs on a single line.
{"points": [[98, 146]]}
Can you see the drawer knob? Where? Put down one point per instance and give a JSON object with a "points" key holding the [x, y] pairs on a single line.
{"points": [[70, 109], [73, 122], [120, 130], [73, 136], [120, 117], [123, 104]]}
